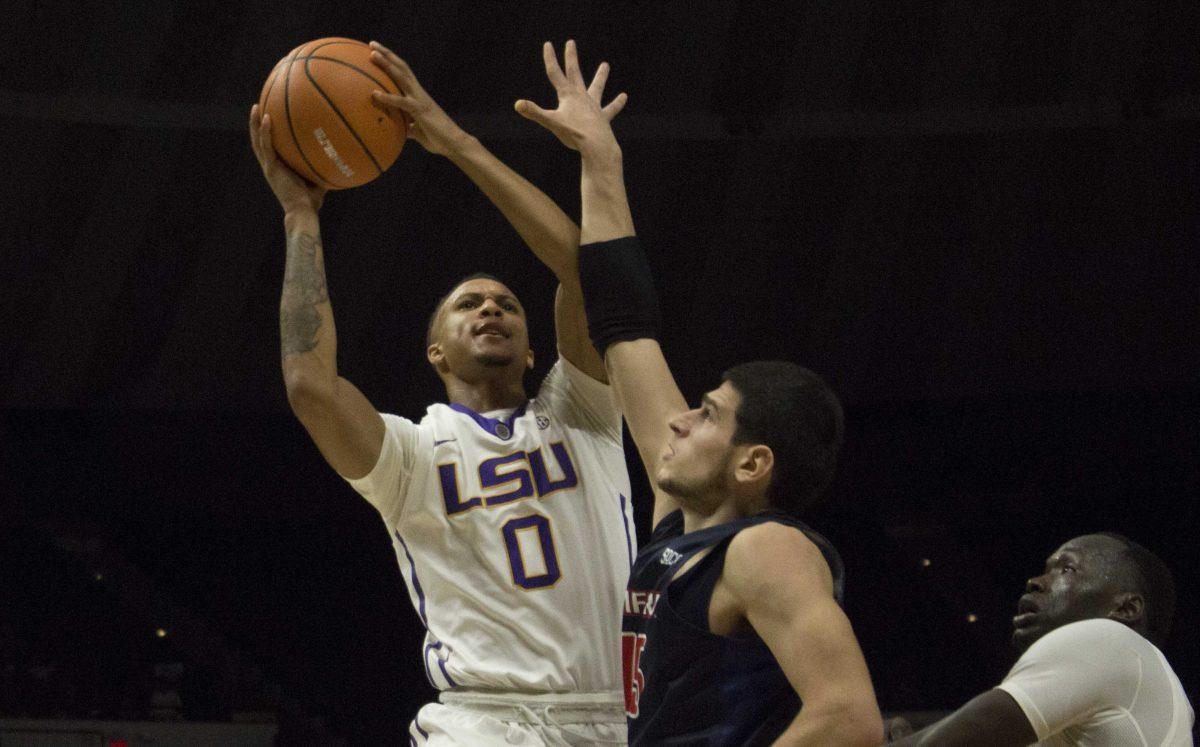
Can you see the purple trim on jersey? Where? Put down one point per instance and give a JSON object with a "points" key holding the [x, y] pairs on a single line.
{"points": [[441, 665], [416, 581], [425, 663], [490, 424], [625, 523], [417, 724]]}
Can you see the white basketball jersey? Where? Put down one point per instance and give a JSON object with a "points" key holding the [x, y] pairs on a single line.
{"points": [[515, 537]]}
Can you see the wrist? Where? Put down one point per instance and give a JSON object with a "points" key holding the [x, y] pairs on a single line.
{"points": [[461, 145], [605, 152], [298, 216]]}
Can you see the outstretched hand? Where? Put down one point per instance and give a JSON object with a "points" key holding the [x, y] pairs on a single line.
{"points": [[292, 191], [579, 121], [427, 123]]}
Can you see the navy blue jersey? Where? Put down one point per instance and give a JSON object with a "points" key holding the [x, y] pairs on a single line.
{"points": [[683, 684]]}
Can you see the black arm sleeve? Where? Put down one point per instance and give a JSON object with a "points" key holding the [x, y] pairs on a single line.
{"points": [[618, 292]]}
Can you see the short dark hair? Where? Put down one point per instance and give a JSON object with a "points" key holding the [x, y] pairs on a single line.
{"points": [[794, 412], [437, 307], [1154, 581]]}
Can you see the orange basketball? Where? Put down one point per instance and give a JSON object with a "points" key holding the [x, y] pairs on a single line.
{"points": [[324, 123]]}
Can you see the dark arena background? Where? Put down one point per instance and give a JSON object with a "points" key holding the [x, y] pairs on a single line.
{"points": [[977, 220]]}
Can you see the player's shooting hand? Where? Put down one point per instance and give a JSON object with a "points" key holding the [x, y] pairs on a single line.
{"points": [[427, 123], [579, 121], [292, 191]]}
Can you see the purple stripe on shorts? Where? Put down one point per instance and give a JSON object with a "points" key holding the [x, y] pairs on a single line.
{"points": [[417, 724]]}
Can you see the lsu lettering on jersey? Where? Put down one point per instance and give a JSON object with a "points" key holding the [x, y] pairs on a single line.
{"points": [[515, 537]]}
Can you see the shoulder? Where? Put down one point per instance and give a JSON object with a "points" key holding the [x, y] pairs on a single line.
{"points": [[566, 386], [405, 431], [563, 377], [771, 554], [1087, 636], [1096, 651], [772, 542]]}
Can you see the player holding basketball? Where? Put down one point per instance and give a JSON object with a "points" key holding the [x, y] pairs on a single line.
{"points": [[508, 515], [732, 630]]}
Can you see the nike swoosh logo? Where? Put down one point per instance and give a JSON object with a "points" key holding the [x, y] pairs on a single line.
{"points": [[444, 441]]}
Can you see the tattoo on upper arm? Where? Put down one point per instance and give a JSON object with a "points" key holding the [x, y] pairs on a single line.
{"points": [[303, 291]]}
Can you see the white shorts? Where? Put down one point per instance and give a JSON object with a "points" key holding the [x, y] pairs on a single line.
{"points": [[481, 719]]}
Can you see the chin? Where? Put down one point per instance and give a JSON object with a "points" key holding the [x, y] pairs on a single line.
{"points": [[488, 360], [1023, 638]]}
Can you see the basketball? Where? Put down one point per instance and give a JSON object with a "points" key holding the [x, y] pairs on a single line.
{"points": [[324, 123]]}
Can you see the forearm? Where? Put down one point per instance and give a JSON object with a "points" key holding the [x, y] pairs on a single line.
{"points": [[990, 719], [308, 341], [543, 226], [605, 213], [841, 727]]}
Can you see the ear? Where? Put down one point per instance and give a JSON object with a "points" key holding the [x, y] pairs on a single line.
{"points": [[529, 358], [754, 465], [435, 355], [1130, 609]]}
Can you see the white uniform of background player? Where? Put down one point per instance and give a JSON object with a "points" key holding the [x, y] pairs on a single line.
{"points": [[514, 534], [1097, 682]]}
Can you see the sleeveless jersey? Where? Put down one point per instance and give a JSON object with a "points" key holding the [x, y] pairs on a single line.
{"points": [[683, 684], [514, 537]]}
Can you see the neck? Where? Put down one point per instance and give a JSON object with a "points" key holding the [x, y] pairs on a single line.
{"points": [[710, 511], [485, 396]]}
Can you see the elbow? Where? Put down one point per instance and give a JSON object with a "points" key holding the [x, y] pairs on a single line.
{"points": [[866, 723], [850, 724], [862, 729], [871, 733], [308, 391]]}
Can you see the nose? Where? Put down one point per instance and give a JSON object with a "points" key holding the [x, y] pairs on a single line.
{"points": [[678, 424], [1035, 584], [489, 307]]}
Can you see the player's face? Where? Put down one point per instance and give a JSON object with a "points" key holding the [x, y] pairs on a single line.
{"points": [[481, 327], [1080, 583], [698, 457]]}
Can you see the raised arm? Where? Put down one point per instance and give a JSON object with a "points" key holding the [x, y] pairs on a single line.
{"points": [[344, 425], [782, 586], [543, 226], [646, 389]]}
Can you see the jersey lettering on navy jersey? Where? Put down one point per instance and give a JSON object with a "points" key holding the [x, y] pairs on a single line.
{"points": [[632, 645], [528, 470], [641, 603]]}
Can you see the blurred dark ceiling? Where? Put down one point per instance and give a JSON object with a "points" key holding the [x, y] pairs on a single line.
{"points": [[977, 220]]}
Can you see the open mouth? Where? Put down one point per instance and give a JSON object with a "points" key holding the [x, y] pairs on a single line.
{"points": [[494, 331], [1027, 611]]}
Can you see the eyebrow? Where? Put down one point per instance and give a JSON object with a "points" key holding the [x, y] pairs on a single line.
{"points": [[476, 295], [1063, 555]]}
